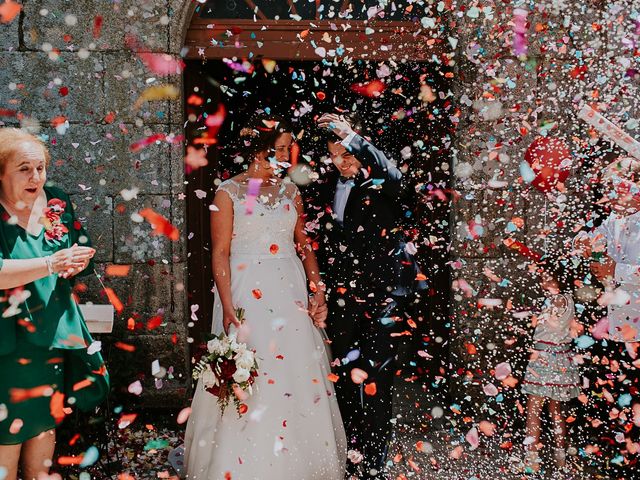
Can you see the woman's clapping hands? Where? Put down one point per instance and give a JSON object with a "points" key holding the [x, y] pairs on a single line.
{"points": [[71, 261]]}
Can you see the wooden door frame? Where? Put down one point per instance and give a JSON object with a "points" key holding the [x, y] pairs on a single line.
{"points": [[295, 40], [283, 40]]}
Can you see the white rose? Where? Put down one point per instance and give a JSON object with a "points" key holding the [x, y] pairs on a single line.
{"points": [[244, 359], [208, 378], [241, 375], [215, 346]]}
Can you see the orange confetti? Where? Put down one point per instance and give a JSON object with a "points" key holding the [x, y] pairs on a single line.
{"points": [[9, 10], [274, 249], [370, 389], [56, 406], [195, 100], [471, 348], [82, 384], [21, 394], [154, 322], [332, 377], [421, 277], [125, 346], [161, 226], [118, 270], [257, 294], [243, 409], [370, 89], [114, 300], [70, 460], [57, 121], [126, 419], [23, 322]]}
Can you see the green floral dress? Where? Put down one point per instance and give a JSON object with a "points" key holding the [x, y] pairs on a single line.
{"points": [[45, 365]]}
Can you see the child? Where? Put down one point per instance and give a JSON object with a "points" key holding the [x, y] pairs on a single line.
{"points": [[551, 376]]}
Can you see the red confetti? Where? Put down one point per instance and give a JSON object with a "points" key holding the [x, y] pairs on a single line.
{"points": [[158, 63], [370, 389], [161, 226], [257, 294], [145, 142], [21, 394], [125, 346], [370, 89], [274, 249], [154, 322], [97, 26]]}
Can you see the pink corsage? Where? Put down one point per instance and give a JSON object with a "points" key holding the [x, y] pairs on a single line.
{"points": [[55, 230]]}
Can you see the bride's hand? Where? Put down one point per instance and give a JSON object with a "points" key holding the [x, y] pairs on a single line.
{"points": [[320, 316], [229, 318], [318, 310]]}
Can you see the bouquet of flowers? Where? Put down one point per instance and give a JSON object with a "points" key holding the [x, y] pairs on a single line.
{"points": [[228, 369]]}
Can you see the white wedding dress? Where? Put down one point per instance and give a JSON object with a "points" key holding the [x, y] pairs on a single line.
{"points": [[293, 428]]}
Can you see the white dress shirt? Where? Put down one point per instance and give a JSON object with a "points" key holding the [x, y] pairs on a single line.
{"points": [[622, 236], [343, 189]]}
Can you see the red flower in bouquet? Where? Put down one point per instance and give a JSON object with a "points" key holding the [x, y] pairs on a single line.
{"points": [[55, 230], [227, 369]]}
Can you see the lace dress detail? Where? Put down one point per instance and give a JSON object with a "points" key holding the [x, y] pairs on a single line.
{"points": [[263, 220]]}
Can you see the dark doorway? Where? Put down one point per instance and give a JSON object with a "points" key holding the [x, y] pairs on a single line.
{"points": [[400, 121]]}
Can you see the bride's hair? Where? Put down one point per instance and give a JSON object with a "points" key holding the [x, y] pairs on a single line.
{"points": [[260, 134]]}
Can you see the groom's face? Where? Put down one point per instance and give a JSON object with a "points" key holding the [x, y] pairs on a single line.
{"points": [[345, 162]]}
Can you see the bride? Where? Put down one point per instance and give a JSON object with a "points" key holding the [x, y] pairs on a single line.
{"points": [[293, 428]]}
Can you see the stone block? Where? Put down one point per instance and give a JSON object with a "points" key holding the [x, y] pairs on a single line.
{"points": [[96, 214], [67, 86], [125, 81], [126, 367], [9, 36], [135, 241], [100, 162], [146, 291], [179, 219], [180, 15], [74, 24]]}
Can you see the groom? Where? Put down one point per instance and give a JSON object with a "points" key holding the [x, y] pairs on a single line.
{"points": [[372, 280]]}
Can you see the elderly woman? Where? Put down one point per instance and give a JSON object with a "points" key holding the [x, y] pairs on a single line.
{"points": [[44, 363]]}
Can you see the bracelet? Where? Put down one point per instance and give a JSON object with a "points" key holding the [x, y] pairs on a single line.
{"points": [[49, 263]]}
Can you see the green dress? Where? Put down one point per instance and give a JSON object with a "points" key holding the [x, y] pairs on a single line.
{"points": [[44, 362]]}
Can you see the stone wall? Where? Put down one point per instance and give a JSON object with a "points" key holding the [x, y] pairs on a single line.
{"points": [[69, 59]]}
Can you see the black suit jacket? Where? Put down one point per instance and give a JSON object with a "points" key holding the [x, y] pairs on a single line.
{"points": [[367, 252]]}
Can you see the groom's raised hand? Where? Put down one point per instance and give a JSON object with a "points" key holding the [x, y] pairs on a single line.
{"points": [[336, 123]]}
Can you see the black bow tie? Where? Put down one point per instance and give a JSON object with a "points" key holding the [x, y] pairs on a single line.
{"points": [[342, 179]]}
